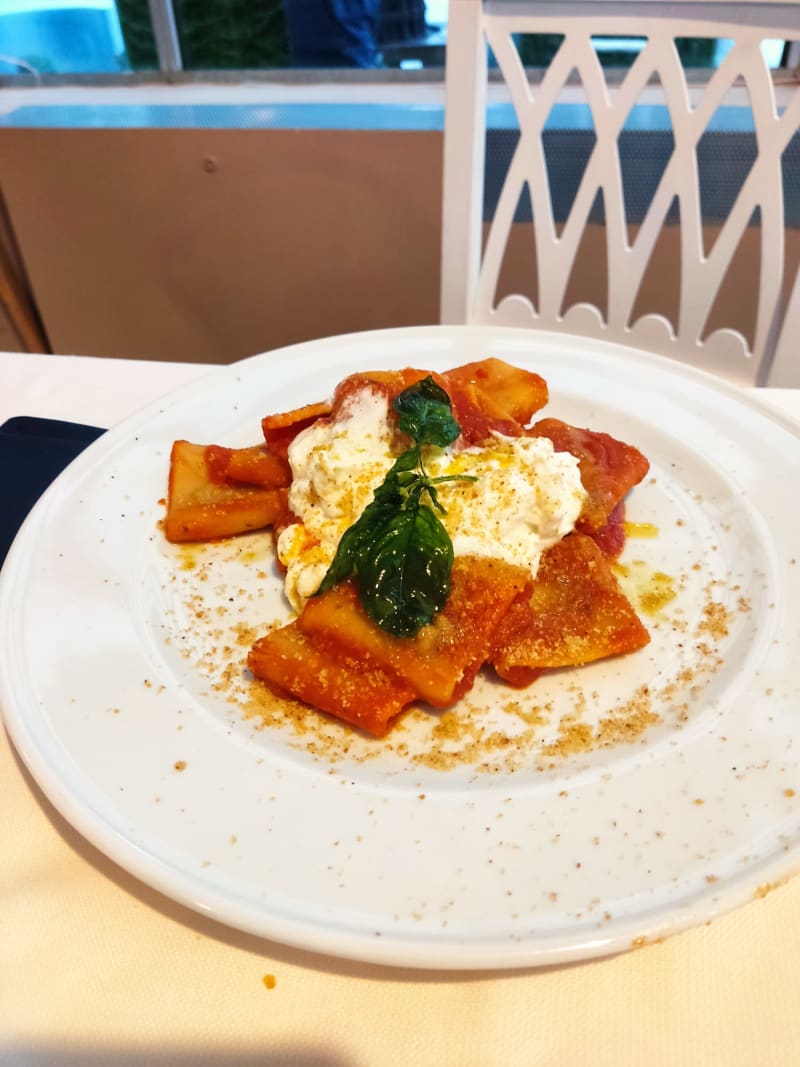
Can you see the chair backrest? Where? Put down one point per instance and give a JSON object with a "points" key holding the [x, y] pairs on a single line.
{"points": [[699, 161], [784, 368]]}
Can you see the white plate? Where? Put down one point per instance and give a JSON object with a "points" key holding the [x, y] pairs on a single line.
{"points": [[123, 689]]}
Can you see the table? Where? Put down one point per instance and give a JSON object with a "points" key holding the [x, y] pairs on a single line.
{"points": [[98, 969]]}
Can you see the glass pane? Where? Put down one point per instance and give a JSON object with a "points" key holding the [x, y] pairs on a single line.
{"points": [[137, 33], [62, 37], [366, 33], [306, 34], [232, 34]]}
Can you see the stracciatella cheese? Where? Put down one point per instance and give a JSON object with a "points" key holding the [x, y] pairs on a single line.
{"points": [[336, 467], [525, 496]]}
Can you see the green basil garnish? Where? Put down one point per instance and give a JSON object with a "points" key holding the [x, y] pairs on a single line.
{"points": [[398, 549], [424, 413]]}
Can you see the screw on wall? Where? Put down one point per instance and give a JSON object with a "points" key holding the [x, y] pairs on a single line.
{"points": [[210, 164]]}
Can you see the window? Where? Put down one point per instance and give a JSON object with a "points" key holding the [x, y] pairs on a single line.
{"points": [[61, 37], [106, 37]]}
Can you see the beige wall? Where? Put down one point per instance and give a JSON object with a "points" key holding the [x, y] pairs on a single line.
{"points": [[212, 245]]}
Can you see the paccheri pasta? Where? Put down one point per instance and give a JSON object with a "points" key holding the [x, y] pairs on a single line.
{"points": [[427, 527]]}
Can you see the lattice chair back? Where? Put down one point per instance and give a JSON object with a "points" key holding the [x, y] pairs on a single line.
{"points": [[473, 253]]}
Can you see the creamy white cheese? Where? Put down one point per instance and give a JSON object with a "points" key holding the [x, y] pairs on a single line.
{"points": [[336, 467], [525, 498]]}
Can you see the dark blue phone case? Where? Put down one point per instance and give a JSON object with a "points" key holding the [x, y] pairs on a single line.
{"points": [[32, 452]]}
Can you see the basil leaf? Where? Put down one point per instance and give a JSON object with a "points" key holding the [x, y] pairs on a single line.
{"points": [[357, 539], [402, 473], [425, 414], [398, 548], [404, 572]]}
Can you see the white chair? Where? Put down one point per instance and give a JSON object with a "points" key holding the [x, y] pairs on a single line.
{"points": [[473, 256], [785, 367]]}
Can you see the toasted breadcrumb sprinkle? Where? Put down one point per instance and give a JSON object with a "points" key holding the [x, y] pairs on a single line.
{"points": [[536, 736]]}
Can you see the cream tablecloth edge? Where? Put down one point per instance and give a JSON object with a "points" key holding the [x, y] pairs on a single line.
{"points": [[97, 969]]}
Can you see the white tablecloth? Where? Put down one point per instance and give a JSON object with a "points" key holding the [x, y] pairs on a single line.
{"points": [[97, 969]]}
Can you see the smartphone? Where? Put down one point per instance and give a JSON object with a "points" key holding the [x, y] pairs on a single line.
{"points": [[32, 452]]}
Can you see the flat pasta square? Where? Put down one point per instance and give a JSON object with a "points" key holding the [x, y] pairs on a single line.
{"points": [[254, 465], [353, 688], [502, 389], [441, 661], [202, 504], [281, 429], [576, 614]]}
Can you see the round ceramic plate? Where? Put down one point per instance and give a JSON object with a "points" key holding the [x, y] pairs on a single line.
{"points": [[601, 808]]}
